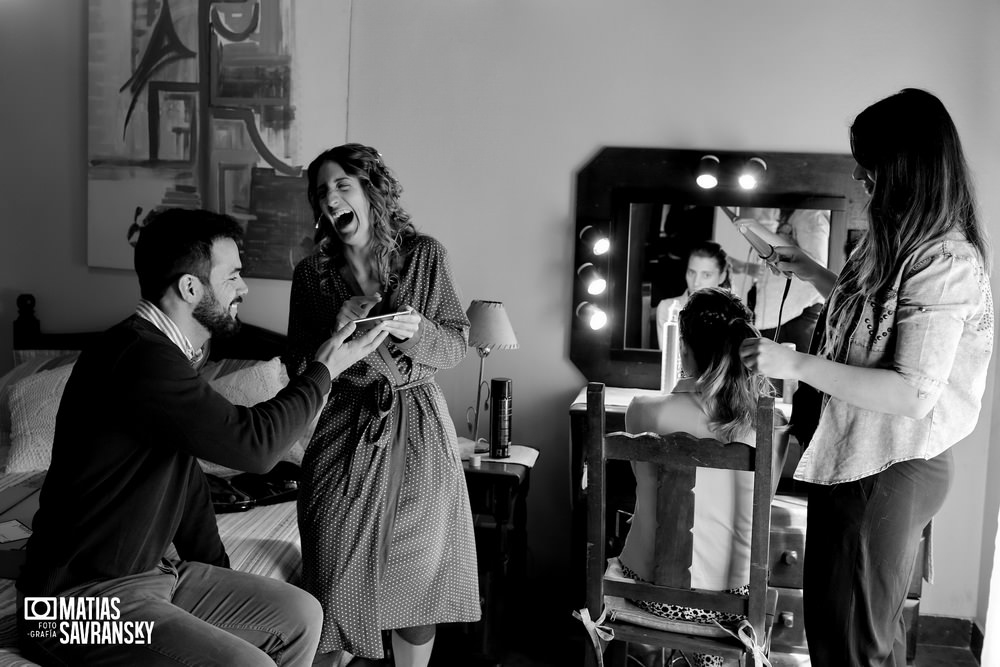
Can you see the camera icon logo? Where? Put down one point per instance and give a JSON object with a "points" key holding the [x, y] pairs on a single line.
{"points": [[41, 609]]}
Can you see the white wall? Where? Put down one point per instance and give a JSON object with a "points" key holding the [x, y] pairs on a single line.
{"points": [[486, 109], [989, 595]]}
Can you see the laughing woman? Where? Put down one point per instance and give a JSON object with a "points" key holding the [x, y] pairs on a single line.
{"points": [[387, 541]]}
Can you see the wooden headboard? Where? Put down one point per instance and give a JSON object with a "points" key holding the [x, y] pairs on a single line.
{"points": [[252, 342]]}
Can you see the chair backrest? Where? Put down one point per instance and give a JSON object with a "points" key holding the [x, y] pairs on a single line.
{"points": [[677, 457]]}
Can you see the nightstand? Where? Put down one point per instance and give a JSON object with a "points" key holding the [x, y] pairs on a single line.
{"points": [[498, 493]]}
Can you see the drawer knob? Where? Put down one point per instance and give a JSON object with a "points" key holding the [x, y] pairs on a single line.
{"points": [[787, 618], [790, 557]]}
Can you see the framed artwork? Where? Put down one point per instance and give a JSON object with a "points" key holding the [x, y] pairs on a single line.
{"points": [[211, 104]]}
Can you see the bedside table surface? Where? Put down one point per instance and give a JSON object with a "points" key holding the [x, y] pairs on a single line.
{"points": [[496, 469]]}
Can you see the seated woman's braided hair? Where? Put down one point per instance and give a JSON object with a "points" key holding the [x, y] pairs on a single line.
{"points": [[713, 323]]}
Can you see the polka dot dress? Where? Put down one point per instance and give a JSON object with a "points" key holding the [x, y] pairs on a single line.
{"points": [[384, 513]]}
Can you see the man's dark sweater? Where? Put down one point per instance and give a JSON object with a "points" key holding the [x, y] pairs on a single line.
{"points": [[124, 482]]}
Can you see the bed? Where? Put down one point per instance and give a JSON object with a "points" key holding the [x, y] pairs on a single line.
{"points": [[246, 368]]}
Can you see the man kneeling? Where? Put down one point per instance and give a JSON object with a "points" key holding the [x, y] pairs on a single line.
{"points": [[124, 482]]}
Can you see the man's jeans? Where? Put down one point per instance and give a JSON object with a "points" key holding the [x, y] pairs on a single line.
{"points": [[201, 614]]}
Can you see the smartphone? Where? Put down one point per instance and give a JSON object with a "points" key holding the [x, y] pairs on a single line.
{"points": [[376, 318]]}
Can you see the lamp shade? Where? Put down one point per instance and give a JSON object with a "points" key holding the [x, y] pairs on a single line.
{"points": [[490, 326]]}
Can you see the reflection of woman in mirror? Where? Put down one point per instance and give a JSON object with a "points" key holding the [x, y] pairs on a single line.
{"points": [[764, 291], [903, 353], [707, 266], [387, 535], [716, 399]]}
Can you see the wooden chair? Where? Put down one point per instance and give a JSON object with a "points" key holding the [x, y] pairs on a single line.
{"points": [[678, 455]]}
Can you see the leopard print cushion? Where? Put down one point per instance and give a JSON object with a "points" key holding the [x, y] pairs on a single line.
{"points": [[680, 613]]}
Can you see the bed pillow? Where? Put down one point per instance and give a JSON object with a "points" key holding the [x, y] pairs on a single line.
{"points": [[29, 400], [31, 364], [34, 402], [249, 385]]}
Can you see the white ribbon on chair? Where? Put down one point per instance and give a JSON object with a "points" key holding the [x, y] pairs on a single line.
{"points": [[598, 632], [746, 635]]}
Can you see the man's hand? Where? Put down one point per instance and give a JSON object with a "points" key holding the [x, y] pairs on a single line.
{"points": [[338, 355]]}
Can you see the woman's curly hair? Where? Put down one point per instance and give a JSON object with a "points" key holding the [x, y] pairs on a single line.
{"points": [[390, 224], [713, 324]]}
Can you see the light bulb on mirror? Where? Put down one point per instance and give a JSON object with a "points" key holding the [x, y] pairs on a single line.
{"points": [[593, 317], [595, 240], [708, 172], [753, 173], [592, 278]]}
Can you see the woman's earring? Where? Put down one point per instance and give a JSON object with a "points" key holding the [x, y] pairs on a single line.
{"points": [[318, 221]]}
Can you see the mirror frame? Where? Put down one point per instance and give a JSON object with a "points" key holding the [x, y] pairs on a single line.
{"points": [[618, 176]]}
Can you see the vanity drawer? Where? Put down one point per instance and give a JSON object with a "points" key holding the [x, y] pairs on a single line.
{"points": [[788, 632], [785, 557], [788, 541]]}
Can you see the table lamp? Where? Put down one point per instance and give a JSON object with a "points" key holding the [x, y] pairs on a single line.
{"points": [[490, 331]]}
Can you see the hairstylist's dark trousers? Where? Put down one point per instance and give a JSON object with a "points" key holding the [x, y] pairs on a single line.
{"points": [[202, 615], [862, 540]]}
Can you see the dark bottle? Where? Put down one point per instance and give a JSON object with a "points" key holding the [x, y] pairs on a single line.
{"points": [[500, 417]]}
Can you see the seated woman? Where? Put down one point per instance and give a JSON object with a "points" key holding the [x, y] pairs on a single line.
{"points": [[717, 400], [708, 266]]}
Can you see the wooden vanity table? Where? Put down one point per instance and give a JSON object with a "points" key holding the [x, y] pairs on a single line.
{"points": [[787, 544]]}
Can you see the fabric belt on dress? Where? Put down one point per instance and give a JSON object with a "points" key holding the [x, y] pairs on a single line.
{"points": [[379, 400]]}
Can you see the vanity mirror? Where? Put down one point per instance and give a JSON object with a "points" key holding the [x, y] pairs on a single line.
{"points": [[646, 204]]}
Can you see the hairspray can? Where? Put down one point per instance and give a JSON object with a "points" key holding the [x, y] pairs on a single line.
{"points": [[500, 417]]}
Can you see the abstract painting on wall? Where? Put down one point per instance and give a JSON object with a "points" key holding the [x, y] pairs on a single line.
{"points": [[203, 103]]}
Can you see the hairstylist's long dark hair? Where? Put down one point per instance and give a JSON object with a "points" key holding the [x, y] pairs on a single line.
{"points": [[922, 185], [391, 224], [713, 323]]}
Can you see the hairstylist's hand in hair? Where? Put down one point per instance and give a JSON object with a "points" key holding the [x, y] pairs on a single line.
{"points": [[793, 260], [339, 355], [355, 308], [770, 359]]}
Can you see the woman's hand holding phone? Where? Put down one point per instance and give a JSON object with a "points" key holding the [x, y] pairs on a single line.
{"points": [[405, 325], [356, 308]]}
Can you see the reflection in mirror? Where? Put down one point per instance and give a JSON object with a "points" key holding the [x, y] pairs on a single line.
{"points": [[671, 251], [622, 196]]}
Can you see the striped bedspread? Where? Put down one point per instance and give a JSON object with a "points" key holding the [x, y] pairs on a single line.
{"points": [[263, 541]]}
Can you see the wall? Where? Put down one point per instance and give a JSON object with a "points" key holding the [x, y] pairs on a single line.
{"points": [[511, 99], [989, 596], [486, 110]]}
